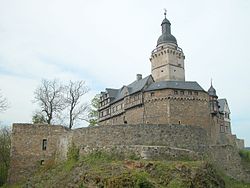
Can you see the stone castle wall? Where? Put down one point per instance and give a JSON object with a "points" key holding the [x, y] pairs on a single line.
{"points": [[27, 154], [164, 106], [180, 136], [26, 148], [184, 109], [147, 141]]}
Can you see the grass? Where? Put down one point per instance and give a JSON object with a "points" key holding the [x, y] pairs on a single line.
{"points": [[101, 169], [231, 183]]}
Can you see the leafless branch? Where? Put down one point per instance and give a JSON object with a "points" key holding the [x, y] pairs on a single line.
{"points": [[3, 103], [75, 91], [49, 96]]}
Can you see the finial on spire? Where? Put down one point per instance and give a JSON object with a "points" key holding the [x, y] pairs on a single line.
{"points": [[165, 12], [211, 81]]}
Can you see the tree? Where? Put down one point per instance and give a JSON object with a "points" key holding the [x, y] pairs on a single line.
{"points": [[49, 96], [4, 154], [93, 112], [38, 118], [74, 93], [3, 103], [60, 102]]}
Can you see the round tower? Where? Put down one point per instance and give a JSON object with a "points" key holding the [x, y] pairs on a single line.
{"points": [[167, 59]]}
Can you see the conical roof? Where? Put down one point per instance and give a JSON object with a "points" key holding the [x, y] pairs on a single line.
{"points": [[212, 91]]}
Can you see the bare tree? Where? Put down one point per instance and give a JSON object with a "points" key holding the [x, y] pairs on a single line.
{"points": [[3, 103], [49, 96], [4, 154], [74, 93]]}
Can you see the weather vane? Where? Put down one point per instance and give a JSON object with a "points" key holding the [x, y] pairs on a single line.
{"points": [[165, 12]]}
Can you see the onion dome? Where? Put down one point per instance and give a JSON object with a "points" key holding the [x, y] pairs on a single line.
{"points": [[166, 36]]}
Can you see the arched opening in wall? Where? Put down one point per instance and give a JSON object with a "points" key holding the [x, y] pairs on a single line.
{"points": [[179, 122], [124, 120], [42, 162]]}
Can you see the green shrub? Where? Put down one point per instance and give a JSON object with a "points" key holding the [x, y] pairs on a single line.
{"points": [[73, 153], [135, 180], [98, 157], [245, 155]]}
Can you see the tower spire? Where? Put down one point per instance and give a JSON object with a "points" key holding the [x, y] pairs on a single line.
{"points": [[166, 36]]}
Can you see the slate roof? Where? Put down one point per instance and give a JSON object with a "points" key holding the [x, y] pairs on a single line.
{"points": [[139, 85], [212, 91], [175, 85], [222, 103], [134, 87], [112, 92]]}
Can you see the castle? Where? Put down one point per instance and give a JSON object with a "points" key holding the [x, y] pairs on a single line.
{"points": [[161, 116], [164, 97]]}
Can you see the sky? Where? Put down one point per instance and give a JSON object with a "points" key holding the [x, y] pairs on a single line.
{"points": [[106, 43]]}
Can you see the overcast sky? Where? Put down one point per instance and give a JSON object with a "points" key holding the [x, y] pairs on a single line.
{"points": [[106, 43]]}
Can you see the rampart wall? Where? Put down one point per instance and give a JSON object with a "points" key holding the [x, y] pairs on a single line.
{"points": [[180, 136], [147, 141]]}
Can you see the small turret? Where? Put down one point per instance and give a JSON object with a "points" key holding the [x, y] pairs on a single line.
{"points": [[212, 91], [213, 100]]}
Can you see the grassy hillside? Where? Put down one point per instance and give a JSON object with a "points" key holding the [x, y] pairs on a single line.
{"points": [[105, 170]]}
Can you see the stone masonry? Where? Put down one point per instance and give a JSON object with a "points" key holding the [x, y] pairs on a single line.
{"points": [[147, 141]]}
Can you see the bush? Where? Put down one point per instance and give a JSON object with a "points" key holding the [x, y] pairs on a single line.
{"points": [[245, 155], [73, 153]]}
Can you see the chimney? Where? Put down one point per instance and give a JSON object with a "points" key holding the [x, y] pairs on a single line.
{"points": [[138, 77]]}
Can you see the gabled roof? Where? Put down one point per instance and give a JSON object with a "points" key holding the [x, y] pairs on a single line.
{"points": [[134, 87], [223, 105], [138, 85], [112, 92], [175, 85]]}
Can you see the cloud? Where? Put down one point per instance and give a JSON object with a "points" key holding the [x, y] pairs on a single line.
{"points": [[108, 42]]}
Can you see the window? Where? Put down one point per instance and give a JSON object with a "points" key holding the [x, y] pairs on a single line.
{"points": [[42, 162], [196, 93], [152, 94], [176, 92], [190, 92], [179, 122], [222, 130], [226, 129], [182, 92], [44, 144], [136, 97]]}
